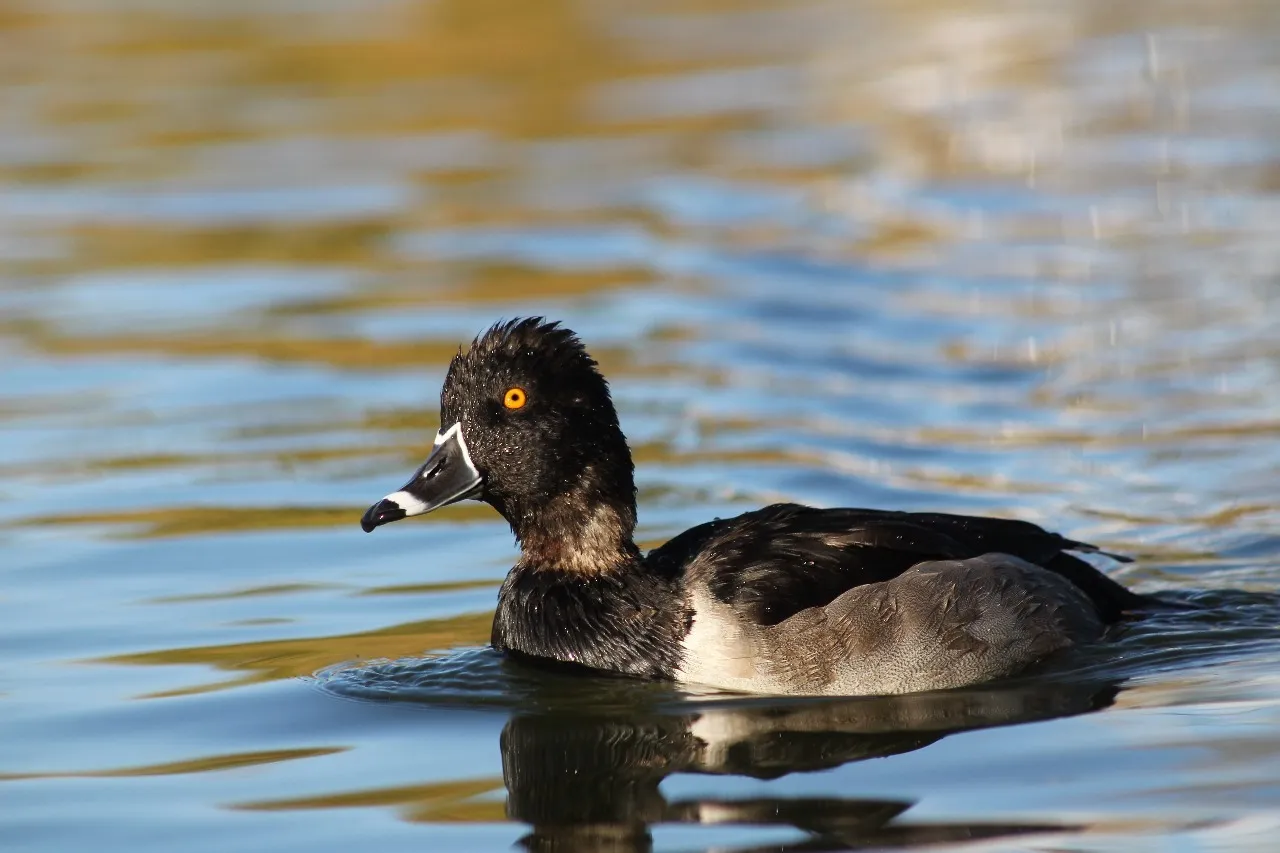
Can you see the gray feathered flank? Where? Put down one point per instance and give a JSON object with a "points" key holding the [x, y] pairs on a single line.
{"points": [[940, 624]]}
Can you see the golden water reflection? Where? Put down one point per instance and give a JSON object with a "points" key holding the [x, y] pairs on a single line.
{"points": [[271, 660], [210, 764]]}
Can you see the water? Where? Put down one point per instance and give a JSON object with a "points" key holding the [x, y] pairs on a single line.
{"points": [[1010, 258]]}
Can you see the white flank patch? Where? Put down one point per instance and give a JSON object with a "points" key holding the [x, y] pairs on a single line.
{"points": [[720, 649]]}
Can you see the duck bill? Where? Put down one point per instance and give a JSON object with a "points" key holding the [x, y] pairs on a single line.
{"points": [[448, 476]]}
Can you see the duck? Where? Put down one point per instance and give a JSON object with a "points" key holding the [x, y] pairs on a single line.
{"points": [[787, 599]]}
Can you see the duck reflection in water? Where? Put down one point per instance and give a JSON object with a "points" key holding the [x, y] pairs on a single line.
{"points": [[591, 782]]}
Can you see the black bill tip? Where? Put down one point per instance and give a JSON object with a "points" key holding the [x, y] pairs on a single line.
{"points": [[383, 512]]}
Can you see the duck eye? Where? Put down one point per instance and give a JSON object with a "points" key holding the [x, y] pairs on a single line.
{"points": [[515, 398]]}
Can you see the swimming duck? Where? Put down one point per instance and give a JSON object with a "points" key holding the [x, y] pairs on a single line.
{"points": [[787, 599]]}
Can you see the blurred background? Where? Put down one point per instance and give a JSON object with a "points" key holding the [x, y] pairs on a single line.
{"points": [[1018, 258]]}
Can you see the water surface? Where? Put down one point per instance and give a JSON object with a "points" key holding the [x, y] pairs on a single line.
{"points": [[994, 257]]}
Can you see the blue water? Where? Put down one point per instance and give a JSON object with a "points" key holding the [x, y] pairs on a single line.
{"points": [[1017, 259]]}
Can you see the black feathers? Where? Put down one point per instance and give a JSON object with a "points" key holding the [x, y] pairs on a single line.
{"points": [[630, 622], [774, 562]]}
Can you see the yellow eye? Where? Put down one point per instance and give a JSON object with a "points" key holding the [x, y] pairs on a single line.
{"points": [[514, 398]]}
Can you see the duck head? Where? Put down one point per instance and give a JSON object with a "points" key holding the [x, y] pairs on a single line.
{"points": [[527, 425]]}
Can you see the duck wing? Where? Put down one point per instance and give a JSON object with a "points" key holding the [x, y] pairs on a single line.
{"points": [[772, 563]]}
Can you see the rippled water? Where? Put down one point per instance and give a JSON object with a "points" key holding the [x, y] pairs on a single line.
{"points": [[1010, 258]]}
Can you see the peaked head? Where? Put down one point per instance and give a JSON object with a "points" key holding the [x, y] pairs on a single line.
{"points": [[527, 425]]}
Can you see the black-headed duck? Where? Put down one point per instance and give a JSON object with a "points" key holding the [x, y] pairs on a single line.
{"points": [[785, 599]]}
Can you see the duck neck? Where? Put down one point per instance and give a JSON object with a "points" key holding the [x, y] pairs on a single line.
{"points": [[587, 530], [580, 593]]}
